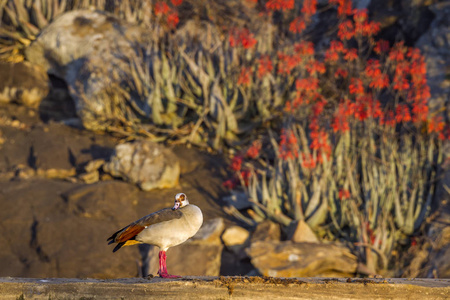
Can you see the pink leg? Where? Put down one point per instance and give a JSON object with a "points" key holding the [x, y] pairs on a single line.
{"points": [[163, 268]]}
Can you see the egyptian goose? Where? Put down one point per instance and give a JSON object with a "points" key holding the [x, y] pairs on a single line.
{"points": [[165, 228]]}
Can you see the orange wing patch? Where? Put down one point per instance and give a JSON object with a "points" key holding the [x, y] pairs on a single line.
{"points": [[128, 233]]}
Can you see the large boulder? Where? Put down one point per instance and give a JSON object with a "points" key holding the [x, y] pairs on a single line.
{"points": [[95, 53], [434, 261], [434, 44], [266, 231], [288, 259], [147, 164], [56, 229], [299, 231]]}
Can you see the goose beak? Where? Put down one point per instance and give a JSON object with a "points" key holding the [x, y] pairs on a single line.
{"points": [[176, 205]]}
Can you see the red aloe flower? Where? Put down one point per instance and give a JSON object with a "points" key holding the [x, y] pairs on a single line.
{"points": [[418, 71], [318, 107], [288, 147], [254, 150], [351, 55], [388, 119], [420, 111], [161, 8], [172, 19], [316, 67], [370, 28], [360, 15], [400, 83], [340, 124], [307, 84], [340, 121], [306, 92], [286, 63], [309, 8], [245, 175], [304, 49], [319, 142], [340, 73], [373, 68], [337, 46], [402, 113], [230, 183], [242, 36], [280, 5], [331, 56], [356, 86], [445, 134], [264, 66], [176, 2], [297, 25], [379, 82], [382, 46], [344, 7], [244, 76], [436, 124], [236, 163], [344, 194], [373, 71], [308, 161], [397, 52], [332, 53], [346, 30]]}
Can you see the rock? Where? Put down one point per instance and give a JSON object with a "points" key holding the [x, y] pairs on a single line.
{"points": [[195, 259], [299, 231], [23, 83], [401, 20], [90, 178], [288, 259], [24, 172], [53, 228], [238, 199], [236, 239], [95, 53], [210, 232], [50, 146], [92, 174], [56, 173], [144, 163], [235, 235], [94, 165], [437, 245], [434, 44], [266, 231]]}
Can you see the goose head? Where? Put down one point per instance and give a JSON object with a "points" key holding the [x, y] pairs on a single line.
{"points": [[180, 201]]}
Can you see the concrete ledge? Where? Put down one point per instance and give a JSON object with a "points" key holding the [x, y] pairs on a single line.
{"points": [[224, 288]]}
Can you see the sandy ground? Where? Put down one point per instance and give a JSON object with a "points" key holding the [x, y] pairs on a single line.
{"points": [[225, 288]]}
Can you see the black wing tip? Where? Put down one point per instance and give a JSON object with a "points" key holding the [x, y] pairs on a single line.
{"points": [[118, 246]]}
